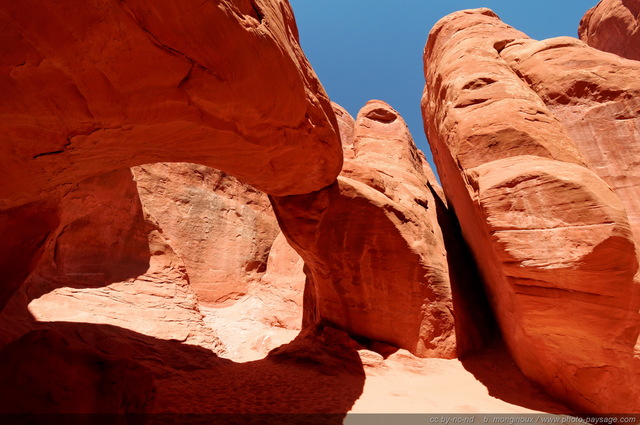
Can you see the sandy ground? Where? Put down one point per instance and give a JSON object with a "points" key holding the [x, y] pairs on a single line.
{"points": [[255, 367], [398, 382], [403, 383]]}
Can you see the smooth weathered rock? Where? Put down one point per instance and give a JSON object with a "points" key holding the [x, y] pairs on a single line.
{"points": [[107, 262], [92, 88], [613, 26], [598, 104], [380, 153], [376, 257], [346, 127], [553, 242], [282, 286], [221, 228], [98, 86]]}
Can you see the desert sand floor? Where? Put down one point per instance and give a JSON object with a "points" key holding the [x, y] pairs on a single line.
{"points": [[343, 376]]}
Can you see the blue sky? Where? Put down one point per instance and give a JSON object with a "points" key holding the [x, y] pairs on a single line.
{"points": [[372, 49]]}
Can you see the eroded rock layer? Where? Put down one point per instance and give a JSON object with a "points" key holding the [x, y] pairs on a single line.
{"points": [[598, 105], [553, 241], [613, 26]]}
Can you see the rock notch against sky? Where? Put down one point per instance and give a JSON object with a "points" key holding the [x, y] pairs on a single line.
{"points": [[319, 266]]}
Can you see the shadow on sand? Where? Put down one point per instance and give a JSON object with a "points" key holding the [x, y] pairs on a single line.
{"points": [[86, 368], [495, 369]]}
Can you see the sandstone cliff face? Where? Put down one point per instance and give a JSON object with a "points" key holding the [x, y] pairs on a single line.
{"points": [[613, 26], [221, 228], [598, 104], [553, 241], [372, 242], [108, 262]]}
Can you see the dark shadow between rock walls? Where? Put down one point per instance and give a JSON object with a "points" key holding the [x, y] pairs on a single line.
{"points": [[475, 324], [24, 230]]}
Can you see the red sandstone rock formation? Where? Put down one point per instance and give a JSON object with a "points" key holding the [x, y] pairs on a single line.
{"points": [[221, 232], [269, 315], [613, 26], [221, 228], [92, 87], [598, 105], [99, 291], [552, 240], [372, 242], [384, 157], [108, 262], [346, 126], [281, 287]]}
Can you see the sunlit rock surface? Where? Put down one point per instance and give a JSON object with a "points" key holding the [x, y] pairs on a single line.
{"points": [[519, 132]]}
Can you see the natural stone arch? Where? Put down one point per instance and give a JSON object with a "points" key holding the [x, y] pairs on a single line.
{"points": [[94, 88], [97, 87]]}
